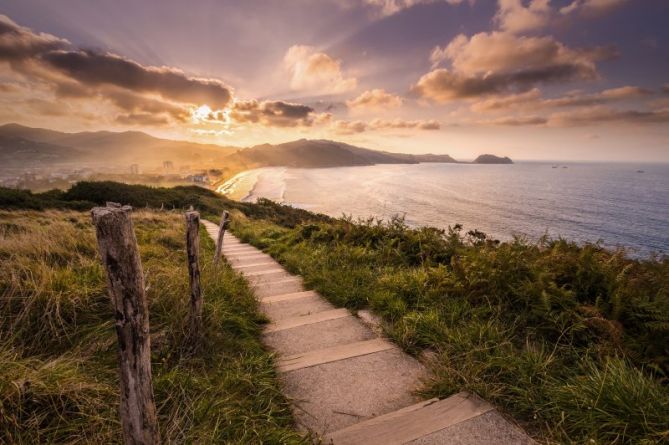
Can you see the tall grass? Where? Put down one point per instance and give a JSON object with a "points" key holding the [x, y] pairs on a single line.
{"points": [[58, 372], [570, 340]]}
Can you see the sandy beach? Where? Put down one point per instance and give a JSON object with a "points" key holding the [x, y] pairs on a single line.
{"points": [[248, 186]]}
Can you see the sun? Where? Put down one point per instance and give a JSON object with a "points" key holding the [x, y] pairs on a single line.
{"points": [[201, 113]]}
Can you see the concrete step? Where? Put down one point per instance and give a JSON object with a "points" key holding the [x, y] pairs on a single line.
{"points": [[339, 393], [278, 310], [290, 296], [278, 287], [345, 383], [317, 336], [413, 422], [311, 318]]}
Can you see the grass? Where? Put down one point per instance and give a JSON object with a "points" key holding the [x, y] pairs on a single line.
{"points": [[87, 194], [569, 340], [58, 371]]}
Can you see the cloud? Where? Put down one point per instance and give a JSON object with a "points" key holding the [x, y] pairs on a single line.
{"points": [[506, 102], [590, 8], [18, 43], [386, 8], [516, 16], [138, 90], [587, 117], [518, 121], [275, 113], [358, 126], [316, 72], [533, 100], [496, 62], [600, 114], [93, 69], [610, 95], [375, 100], [137, 104], [143, 119]]}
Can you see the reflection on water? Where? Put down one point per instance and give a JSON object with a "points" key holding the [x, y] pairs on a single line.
{"points": [[621, 204]]}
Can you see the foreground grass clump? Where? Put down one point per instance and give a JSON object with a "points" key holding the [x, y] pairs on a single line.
{"points": [[86, 194], [570, 340], [58, 371]]}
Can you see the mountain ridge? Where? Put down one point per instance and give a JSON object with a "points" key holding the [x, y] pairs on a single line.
{"points": [[127, 147]]}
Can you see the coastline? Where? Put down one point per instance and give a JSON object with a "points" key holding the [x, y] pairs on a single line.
{"points": [[525, 199], [241, 185], [249, 185]]}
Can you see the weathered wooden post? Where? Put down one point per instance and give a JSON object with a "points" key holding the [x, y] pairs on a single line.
{"points": [[193, 250], [225, 220], [118, 248]]}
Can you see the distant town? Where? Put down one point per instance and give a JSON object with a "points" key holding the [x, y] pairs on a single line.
{"points": [[62, 176]]}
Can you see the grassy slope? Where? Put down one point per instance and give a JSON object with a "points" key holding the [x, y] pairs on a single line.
{"points": [[58, 380], [569, 340]]}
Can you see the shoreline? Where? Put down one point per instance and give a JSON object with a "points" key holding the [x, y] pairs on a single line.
{"points": [[249, 185], [240, 187]]}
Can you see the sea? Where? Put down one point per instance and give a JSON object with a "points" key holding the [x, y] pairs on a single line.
{"points": [[616, 204]]}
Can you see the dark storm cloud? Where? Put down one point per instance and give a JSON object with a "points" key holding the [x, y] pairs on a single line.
{"points": [[77, 73], [496, 62], [443, 85], [94, 69], [18, 43], [272, 113], [599, 115]]}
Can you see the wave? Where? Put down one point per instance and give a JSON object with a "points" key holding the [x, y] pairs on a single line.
{"points": [[270, 183], [240, 185]]}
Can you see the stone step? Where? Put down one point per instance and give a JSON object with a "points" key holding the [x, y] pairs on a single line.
{"points": [[346, 384], [278, 287], [413, 422], [339, 393], [295, 307], [274, 269], [289, 296], [317, 317], [254, 266], [317, 336], [332, 354]]}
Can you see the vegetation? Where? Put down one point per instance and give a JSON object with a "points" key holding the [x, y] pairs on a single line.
{"points": [[84, 195], [58, 371], [570, 340]]}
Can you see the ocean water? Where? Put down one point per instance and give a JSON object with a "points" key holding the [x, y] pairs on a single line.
{"points": [[617, 204]]}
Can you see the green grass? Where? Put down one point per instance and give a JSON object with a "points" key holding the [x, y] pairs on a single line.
{"points": [[58, 370], [87, 194], [569, 340]]}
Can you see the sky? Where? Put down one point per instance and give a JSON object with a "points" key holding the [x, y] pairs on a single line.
{"points": [[530, 79]]}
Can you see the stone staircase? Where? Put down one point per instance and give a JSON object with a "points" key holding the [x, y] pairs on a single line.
{"points": [[347, 384]]}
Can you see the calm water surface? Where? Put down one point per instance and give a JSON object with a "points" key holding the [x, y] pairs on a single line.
{"points": [[620, 204]]}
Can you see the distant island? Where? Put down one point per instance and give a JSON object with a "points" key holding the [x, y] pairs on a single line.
{"points": [[41, 159], [492, 159]]}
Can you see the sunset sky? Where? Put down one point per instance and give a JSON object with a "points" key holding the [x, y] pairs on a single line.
{"points": [[539, 79]]}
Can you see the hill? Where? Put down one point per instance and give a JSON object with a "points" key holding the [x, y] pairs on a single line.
{"points": [[492, 159], [305, 153], [16, 151], [102, 147], [22, 146]]}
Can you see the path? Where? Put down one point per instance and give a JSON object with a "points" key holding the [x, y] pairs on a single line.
{"points": [[347, 384]]}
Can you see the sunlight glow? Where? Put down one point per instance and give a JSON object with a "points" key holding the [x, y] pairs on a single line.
{"points": [[201, 114]]}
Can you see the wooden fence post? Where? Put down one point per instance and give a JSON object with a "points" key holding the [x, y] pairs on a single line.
{"points": [[193, 250], [221, 232], [118, 248]]}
